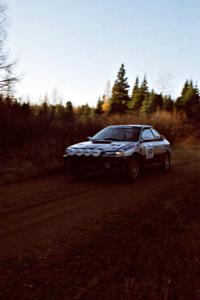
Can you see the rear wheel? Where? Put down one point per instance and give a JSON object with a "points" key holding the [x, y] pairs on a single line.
{"points": [[133, 171], [166, 162]]}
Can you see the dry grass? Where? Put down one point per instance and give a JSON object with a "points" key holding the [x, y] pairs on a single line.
{"points": [[44, 155]]}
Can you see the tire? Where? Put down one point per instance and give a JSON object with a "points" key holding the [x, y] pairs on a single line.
{"points": [[166, 163], [134, 168]]}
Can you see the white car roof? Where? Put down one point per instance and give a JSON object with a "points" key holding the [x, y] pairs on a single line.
{"points": [[132, 125]]}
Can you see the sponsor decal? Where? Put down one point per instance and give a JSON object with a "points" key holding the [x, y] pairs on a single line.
{"points": [[129, 147], [149, 151]]}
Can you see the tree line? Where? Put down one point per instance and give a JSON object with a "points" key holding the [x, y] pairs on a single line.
{"points": [[22, 122], [143, 101]]}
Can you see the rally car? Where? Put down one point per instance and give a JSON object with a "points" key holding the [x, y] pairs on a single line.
{"points": [[123, 148]]}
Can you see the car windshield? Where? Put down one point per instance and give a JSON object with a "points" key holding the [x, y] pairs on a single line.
{"points": [[118, 134]]}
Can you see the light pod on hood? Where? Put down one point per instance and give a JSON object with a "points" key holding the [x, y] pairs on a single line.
{"points": [[87, 152], [71, 151], [79, 152], [96, 152]]}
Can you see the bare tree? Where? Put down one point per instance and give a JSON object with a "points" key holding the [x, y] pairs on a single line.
{"points": [[164, 84], [6, 68]]}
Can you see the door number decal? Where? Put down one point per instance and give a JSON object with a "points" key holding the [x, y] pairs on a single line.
{"points": [[149, 151]]}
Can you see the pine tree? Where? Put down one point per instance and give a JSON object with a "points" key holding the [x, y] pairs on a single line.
{"points": [[120, 98], [180, 100], [145, 105], [189, 101], [152, 103], [139, 95], [69, 111], [144, 86], [168, 103], [135, 87], [99, 109], [134, 93]]}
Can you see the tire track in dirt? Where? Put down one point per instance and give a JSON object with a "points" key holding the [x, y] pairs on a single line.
{"points": [[43, 190], [99, 197], [38, 195]]}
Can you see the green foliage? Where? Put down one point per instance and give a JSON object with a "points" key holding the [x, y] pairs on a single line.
{"points": [[120, 98], [189, 101], [99, 108], [139, 95], [152, 103], [85, 111], [168, 103]]}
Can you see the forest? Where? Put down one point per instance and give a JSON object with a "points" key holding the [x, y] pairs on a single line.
{"points": [[33, 137]]}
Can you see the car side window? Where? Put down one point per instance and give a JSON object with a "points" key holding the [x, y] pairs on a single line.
{"points": [[147, 135], [156, 134]]}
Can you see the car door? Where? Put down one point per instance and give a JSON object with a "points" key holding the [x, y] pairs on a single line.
{"points": [[147, 146], [158, 145]]}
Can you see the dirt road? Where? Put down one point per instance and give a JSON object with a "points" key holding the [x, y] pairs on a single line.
{"points": [[34, 214]]}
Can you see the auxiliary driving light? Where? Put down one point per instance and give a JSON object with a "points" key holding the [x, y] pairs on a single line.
{"points": [[71, 151], [96, 152], [79, 152], [87, 152]]}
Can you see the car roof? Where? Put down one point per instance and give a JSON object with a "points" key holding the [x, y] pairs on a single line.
{"points": [[132, 125]]}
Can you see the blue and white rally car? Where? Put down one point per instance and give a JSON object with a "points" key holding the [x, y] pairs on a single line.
{"points": [[124, 148]]}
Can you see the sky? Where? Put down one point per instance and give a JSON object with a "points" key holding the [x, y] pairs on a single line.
{"points": [[77, 46]]}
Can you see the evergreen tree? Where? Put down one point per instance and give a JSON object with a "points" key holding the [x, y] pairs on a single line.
{"points": [[120, 98], [168, 103], [180, 100], [192, 102], [134, 93], [189, 101], [139, 95], [145, 105], [135, 87], [99, 108], [85, 111], [69, 110], [152, 103], [144, 86]]}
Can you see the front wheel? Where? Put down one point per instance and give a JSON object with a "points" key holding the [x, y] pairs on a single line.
{"points": [[133, 170], [166, 162]]}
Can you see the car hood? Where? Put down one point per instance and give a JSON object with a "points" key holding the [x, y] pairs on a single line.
{"points": [[104, 146]]}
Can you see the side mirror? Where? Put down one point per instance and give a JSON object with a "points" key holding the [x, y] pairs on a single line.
{"points": [[89, 138]]}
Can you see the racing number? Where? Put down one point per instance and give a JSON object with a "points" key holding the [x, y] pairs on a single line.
{"points": [[149, 151]]}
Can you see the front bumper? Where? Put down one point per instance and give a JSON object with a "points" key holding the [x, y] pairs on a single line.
{"points": [[96, 163]]}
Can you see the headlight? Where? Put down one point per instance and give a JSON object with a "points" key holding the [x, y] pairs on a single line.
{"points": [[119, 153]]}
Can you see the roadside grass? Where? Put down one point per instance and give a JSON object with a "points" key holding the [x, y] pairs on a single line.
{"points": [[152, 253], [42, 153], [45, 158], [32, 161]]}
